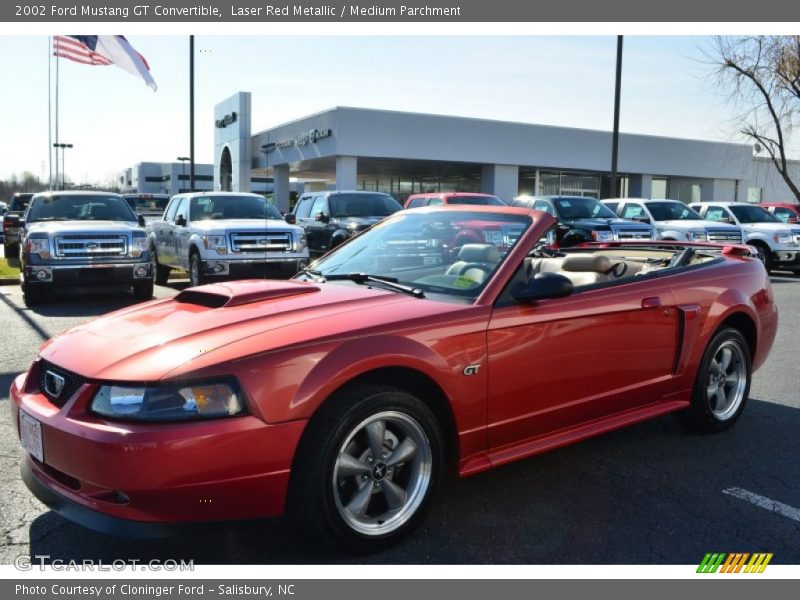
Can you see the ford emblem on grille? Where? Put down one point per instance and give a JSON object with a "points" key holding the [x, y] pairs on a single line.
{"points": [[53, 383], [92, 246]]}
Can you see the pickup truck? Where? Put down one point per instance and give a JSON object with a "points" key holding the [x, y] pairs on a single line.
{"points": [[582, 219], [13, 223], [778, 244], [232, 235], [81, 240], [675, 221]]}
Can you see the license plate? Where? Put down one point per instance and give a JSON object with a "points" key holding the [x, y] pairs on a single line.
{"points": [[31, 435]]}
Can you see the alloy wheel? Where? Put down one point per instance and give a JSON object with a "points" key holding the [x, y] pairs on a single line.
{"points": [[727, 380]]}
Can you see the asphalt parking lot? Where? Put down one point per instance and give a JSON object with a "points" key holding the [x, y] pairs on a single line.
{"points": [[652, 493]]}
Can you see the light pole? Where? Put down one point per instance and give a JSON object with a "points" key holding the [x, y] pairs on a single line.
{"points": [[183, 160], [63, 170], [615, 135]]}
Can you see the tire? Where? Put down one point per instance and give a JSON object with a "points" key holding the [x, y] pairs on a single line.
{"points": [[376, 503], [196, 275], [33, 294], [160, 272], [144, 290], [765, 256], [718, 398], [10, 251]]}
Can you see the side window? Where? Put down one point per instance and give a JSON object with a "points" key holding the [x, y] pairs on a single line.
{"points": [[434, 201], [181, 210], [717, 213], [173, 206], [633, 211], [416, 203], [303, 208], [544, 206], [320, 206], [783, 214]]}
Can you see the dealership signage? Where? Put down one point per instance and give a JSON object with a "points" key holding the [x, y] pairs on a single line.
{"points": [[312, 137], [225, 121]]}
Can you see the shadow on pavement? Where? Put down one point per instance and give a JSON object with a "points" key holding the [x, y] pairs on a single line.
{"points": [[647, 494]]}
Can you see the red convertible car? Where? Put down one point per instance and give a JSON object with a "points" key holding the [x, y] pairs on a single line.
{"points": [[343, 396]]}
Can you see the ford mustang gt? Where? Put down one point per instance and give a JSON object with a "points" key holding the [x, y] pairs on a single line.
{"points": [[440, 339]]}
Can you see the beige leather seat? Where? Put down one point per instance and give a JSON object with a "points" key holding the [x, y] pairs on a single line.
{"points": [[581, 269], [475, 261]]}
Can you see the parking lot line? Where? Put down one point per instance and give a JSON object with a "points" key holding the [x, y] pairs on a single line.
{"points": [[764, 502]]}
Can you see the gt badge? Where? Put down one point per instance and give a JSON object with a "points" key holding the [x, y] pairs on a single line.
{"points": [[471, 370]]}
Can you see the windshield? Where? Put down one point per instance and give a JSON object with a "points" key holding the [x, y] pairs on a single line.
{"points": [[753, 214], [476, 200], [147, 203], [582, 208], [447, 252], [672, 211], [75, 207], [204, 208], [20, 203], [363, 205]]}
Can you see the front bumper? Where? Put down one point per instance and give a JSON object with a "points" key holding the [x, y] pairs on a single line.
{"points": [[90, 274], [146, 479], [786, 258], [254, 267]]}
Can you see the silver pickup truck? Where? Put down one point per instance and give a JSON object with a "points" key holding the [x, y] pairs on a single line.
{"points": [[215, 235], [79, 240]]}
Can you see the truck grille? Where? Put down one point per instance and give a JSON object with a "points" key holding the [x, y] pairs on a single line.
{"points": [[724, 235], [634, 234], [261, 241], [70, 385], [90, 245]]}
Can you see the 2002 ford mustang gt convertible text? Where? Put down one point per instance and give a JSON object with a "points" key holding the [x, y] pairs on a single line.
{"points": [[343, 395]]}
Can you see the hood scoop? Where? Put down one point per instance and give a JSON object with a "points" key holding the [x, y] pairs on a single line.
{"points": [[237, 293]]}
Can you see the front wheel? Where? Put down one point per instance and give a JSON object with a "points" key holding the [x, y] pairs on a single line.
{"points": [[196, 275], [368, 468], [143, 290], [765, 256], [722, 384], [33, 294]]}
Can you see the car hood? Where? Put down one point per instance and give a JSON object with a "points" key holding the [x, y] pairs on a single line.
{"points": [[53, 227], [773, 227], [695, 224], [612, 223], [222, 225], [149, 341]]}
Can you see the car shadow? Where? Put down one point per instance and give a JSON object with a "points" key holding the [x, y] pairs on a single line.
{"points": [[646, 494]]}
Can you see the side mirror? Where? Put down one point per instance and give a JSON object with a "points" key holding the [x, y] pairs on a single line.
{"points": [[542, 286], [140, 220], [290, 218], [180, 220], [322, 217]]}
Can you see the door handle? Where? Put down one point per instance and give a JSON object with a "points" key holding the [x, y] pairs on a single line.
{"points": [[652, 302]]}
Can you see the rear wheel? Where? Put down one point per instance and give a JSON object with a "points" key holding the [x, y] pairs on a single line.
{"points": [[160, 272], [10, 251], [368, 468], [722, 384]]}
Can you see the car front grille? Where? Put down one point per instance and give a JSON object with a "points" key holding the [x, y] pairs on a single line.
{"points": [[724, 235], [634, 234], [90, 245], [49, 375], [261, 241]]}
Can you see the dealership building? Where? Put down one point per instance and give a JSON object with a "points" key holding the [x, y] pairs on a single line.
{"points": [[403, 153]]}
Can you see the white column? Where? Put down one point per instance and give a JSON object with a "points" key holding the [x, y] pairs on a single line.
{"points": [[500, 180], [280, 174], [346, 172]]}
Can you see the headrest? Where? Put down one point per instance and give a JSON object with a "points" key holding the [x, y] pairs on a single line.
{"points": [[587, 262], [483, 253]]}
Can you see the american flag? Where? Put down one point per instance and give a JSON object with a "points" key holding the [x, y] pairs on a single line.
{"points": [[103, 50]]}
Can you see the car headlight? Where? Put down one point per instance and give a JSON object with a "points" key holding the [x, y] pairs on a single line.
{"points": [[175, 402], [299, 242], [783, 238], [216, 242], [40, 246], [697, 236], [139, 246], [603, 236]]}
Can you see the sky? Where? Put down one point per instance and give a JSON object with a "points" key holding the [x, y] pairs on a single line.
{"points": [[114, 121]]}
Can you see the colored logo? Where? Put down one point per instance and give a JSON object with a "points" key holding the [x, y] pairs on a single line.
{"points": [[735, 562]]}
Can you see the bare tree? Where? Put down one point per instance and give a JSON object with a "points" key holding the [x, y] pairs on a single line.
{"points": [[762, 75]]}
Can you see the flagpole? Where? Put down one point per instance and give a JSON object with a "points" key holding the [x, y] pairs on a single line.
{"points": [[57, 111], [191, 113], [49, 116]]}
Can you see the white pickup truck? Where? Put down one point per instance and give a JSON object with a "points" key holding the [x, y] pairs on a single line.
{"points": [[216, 235], [674, 220], [778, 244]]}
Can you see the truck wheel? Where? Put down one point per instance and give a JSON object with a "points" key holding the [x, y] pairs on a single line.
{"points": [[722, 384], [10, 251], [765, 256], [367, 469], [33, 294], [160, 272], [196, 275], [143, 290]]}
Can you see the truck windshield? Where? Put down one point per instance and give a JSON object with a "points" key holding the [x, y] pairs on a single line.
{"points": [[672, 211], [753, 214], [363, 205], [147, 203], [582, 208], [204, 208], [76, 207]]}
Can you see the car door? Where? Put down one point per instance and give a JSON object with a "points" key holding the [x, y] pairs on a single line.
{"points": [[172, 230], [183, 233], [163, 231], [317, 232], [562, 362]]}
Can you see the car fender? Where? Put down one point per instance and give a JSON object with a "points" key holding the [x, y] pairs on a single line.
{"points": [[760, 236], [675, 234]]}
